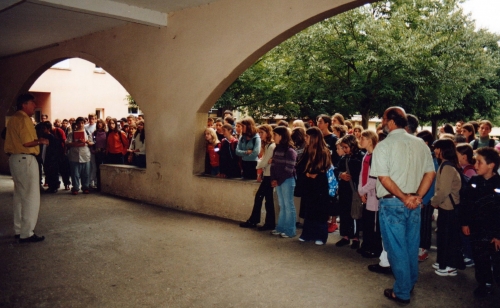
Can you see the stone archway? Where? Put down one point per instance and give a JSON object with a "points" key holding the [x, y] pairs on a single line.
{"points": [[177, 73]]}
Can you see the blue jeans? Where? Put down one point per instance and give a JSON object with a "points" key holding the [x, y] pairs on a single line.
{"points": [[400, 228], [80, 171], [287, 216]]}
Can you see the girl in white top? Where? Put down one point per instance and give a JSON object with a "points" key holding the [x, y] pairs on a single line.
{"points": [[265, 189]]}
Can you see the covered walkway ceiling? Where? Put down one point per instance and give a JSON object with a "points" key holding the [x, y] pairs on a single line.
{"points": [[29, 25]]}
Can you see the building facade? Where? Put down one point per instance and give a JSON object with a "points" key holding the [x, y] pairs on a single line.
{"points": [[76, 87]]}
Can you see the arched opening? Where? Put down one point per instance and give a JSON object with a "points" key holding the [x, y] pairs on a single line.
{"points": [[392, 71], [74, 88], [390, 43]]}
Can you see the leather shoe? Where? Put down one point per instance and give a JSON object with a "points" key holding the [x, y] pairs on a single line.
{"points": [[370, 254], [389, 294], [342, 242], [248, 224], [32, 239], [376, 268]]}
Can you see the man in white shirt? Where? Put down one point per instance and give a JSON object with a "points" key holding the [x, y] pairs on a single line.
{"points": [[404, 169]]}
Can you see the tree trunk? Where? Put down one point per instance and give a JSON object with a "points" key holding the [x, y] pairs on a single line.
{"points": [[434, 128], [365, 117]]}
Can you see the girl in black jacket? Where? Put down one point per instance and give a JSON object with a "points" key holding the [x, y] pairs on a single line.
{"points": [[349, 227]]}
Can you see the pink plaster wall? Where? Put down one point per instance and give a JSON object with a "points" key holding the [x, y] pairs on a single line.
{"points": [[79, 91]]}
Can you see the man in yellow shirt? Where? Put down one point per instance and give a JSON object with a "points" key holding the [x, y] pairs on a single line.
{"points": [[22, 144]]}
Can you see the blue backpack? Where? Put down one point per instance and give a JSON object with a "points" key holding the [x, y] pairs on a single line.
{"points": [[333, 184]]}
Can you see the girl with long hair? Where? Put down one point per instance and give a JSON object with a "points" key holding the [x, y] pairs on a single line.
{"points": [[316, 201], [338, 119], [265, 190], [249, 148], [100, 138], [372, 239], [283, 178], [357, 130], [116, 144], [466, 159], [446, 198], [299, 143], [212, 148], [229, 162], [469, 132], [138, 146], [348, 170], [339, 130]]}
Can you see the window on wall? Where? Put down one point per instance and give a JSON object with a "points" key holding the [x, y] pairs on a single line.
{"points": [[63, 65], [99, 113], [38, 115]]}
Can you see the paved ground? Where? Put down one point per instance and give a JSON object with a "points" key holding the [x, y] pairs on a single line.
{"points": [[103, 251]]}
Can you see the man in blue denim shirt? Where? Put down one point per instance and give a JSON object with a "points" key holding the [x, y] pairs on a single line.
{"points": [[404, 169]]}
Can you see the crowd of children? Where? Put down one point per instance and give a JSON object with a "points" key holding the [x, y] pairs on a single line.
{"points": [[295, 161]]}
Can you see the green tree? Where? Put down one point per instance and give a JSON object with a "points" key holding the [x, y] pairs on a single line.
{"points": [[422, 55]]}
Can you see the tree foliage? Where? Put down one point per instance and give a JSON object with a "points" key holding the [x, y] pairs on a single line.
{"points": [[423, 55]]}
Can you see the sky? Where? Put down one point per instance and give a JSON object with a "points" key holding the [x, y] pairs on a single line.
{"points": [[485, 12]]}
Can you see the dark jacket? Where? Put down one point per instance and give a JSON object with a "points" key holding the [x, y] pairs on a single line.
{"points": [[316, 201], [345, 192], [481, 208], [229, 162]]}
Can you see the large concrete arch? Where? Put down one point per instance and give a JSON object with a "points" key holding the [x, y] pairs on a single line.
{"points": [[176, 73]]}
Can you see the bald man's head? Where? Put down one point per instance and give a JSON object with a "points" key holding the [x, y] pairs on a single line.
{"points": [[398, 115]]}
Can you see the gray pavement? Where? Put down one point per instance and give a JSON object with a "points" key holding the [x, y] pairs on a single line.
{"points": [[103, 251]]}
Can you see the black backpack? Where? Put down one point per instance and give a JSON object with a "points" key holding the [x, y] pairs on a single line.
{"points": [[463, 179]]}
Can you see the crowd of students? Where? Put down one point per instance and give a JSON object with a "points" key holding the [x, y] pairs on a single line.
{"points": [[77, 147], [294, 162]]}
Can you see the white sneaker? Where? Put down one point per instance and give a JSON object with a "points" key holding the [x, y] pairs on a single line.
{"points": [[448, 271], [301, 239], [435, 266], [468, 262], [274, 232], [283, 235], [319, 243]]}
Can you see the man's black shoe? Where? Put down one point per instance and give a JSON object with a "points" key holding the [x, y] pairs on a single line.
{"points": [[376, 268], [342, 242], [389, 294], [32, 239], [370, 254], [248, 224]]}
